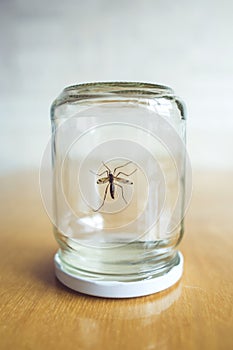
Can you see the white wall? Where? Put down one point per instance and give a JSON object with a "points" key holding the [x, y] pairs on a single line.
{"points": [[46, 45]]}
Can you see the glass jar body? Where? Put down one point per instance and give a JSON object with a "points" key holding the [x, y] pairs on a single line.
{"points": [[118, 155]]}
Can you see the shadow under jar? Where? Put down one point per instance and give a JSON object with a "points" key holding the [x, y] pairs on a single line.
{"points": [[118, 154]]}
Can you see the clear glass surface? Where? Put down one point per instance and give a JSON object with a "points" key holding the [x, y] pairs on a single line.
{"points": [[118, 176]]}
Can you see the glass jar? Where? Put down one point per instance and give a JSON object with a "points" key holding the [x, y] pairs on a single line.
{"points": [[119, 158]]}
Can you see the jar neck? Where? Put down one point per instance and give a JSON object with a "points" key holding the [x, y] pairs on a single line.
{"points": [[96, 90], [119, 88]]}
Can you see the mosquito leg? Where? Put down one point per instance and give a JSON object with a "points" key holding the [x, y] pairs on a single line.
{"points": [[122, 193], [107, 167], [105, 194], [120, 172], [121, 166], [105, 171]]}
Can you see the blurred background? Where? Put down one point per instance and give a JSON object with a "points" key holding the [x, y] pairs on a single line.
{"points": [[47, 45]]}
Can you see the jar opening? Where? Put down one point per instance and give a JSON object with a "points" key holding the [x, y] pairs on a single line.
{"points": [[110, 91], [118, 87]]}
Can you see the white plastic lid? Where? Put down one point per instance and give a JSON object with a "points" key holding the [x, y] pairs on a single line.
{"points": [[112, 289]]}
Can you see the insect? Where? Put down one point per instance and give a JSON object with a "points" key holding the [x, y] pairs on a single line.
{"points": [[113, 179]]}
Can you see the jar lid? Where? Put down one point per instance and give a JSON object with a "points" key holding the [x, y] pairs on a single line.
{"points": [[115, 289]]}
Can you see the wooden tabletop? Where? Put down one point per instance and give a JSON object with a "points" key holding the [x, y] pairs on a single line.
{"points": [[37, 312]]}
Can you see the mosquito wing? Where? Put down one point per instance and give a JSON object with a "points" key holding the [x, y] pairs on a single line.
{"points": [[103, 180], [123, 181]]}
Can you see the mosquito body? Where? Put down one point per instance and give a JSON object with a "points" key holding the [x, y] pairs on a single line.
{"points": [[112, 180]]}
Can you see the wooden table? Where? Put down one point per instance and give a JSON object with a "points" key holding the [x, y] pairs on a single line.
{"points": [[37, 312]]}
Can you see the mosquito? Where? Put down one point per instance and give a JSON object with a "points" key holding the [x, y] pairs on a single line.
{"points": [[113, 179]]}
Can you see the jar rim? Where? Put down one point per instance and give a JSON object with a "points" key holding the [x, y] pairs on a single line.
{"points": [[108, 90], [118, 87]]}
